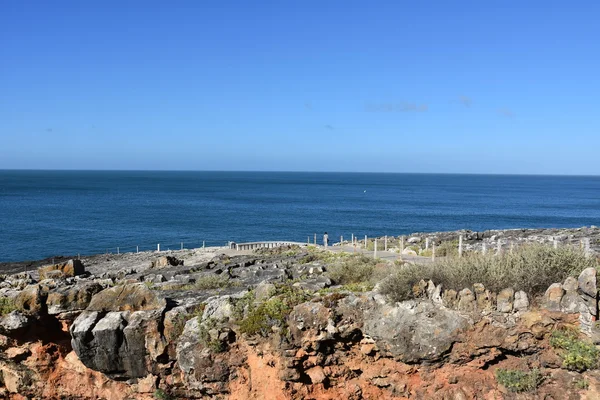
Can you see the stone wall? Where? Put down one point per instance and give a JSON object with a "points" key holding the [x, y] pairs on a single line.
{"points": [[573, 296]]}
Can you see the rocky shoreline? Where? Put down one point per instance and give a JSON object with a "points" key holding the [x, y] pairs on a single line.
{"points": [[292, 323], [473, 240]]}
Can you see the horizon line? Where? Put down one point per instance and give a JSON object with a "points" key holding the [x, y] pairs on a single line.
{"points": [[299, 172]]}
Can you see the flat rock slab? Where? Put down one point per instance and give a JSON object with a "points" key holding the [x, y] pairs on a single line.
{"points": [[128, 297]]}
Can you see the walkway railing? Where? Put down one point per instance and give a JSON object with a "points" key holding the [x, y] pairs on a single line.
{"points": [[262, 245]]}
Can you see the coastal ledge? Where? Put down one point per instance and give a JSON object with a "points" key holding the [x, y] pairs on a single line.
{"points": [[298, 322], [474, 240]]}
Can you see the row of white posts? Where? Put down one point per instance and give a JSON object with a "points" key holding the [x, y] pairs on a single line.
{"points": [[137, 248], [584, 243], [158, 247]]}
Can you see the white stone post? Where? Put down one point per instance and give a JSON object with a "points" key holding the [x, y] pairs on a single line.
{"points": [[158, 247], [181, 245], [401, 244], [365, 242], [118, 251], [315, 240], [375, 247], [460, 246], [353, 238], [385, 245], [483, 249], [203, 244], [587, 249], [137, 249], [426, 243]]}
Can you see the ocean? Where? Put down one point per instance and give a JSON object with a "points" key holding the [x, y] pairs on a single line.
{"points": [[51, 213]]}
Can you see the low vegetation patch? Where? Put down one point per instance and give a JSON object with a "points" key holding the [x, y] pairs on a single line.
{"points": [[426, 253], [531, 268], [181, 319], [519, 381], [259, 319], [160, 394], [210, 282], [352, 269], [447, 249], [577, 354], [213, 282], [315, 254], [214, 344], [7, 305], [581, 384]]}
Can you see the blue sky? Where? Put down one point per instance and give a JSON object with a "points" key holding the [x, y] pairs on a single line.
{"points": [[432, 86]]}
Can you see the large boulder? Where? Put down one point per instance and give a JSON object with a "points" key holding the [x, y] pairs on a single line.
{"points": [[31, 300], [505, 300], [521, 303], [13, 321], [72, 298], [120, 333], [589, 299], [66, 269], [553, 297], [310, 322], [414, 331], [200, 363], [120, 344], [128, 297]]}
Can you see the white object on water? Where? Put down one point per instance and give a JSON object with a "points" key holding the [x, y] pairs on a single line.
{"points": [[365, 191]]}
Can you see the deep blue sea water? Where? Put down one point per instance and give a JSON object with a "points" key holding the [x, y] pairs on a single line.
{"points": [[48, 213]]}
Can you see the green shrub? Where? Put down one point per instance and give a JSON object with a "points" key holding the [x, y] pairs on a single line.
{"points": [[322, 256], [357, 287], [447, 249], [259, 318], [214, 344], [577, 355], [426, 253], [355, 268], [7, 305], [182, 318], [529, 268], [581, 384], [519, 381], [160, 394]]}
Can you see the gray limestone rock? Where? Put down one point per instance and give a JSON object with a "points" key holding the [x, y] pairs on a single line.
{"points": [[14, 321], [72, 298], [414, 331], [553, 297], [521, 301], [505, 300], [466, 301]]}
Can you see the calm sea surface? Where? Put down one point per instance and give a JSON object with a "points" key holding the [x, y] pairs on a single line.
{"points": [[48, 213]]}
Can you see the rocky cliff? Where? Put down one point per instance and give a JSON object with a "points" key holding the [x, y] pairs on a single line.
{"points": [[275, 325]]}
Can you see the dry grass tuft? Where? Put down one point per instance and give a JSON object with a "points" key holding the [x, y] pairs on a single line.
{"points": [[530, 268]]}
